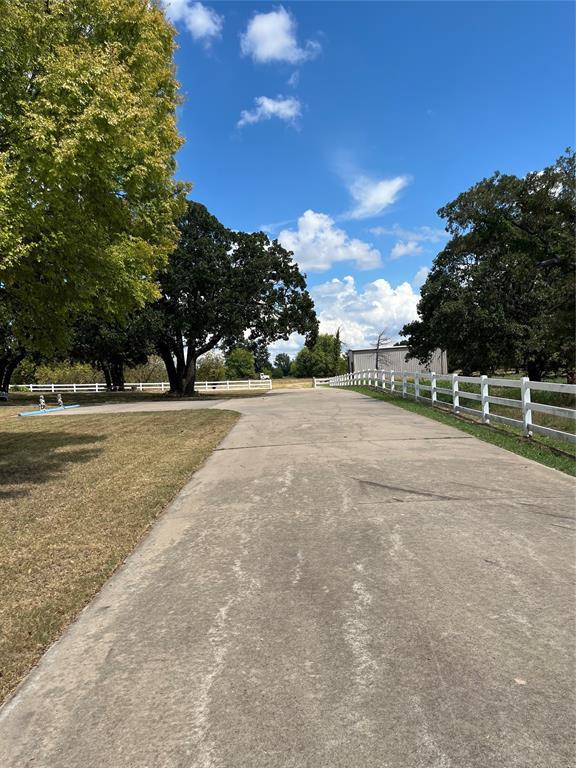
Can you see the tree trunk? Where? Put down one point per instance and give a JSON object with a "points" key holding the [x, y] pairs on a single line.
{"points": [[107, 378], [534, 370], [180, 369], [8, 363], [189, 379], [117, 372], [166, 356]]}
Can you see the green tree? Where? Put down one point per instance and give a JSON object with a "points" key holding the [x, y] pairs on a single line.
{"points": [[324, 359], [261, 356], [240, 364], [111, 346], [87, 143], [211, 367], [259, 349], [501, 292], [220, 285], [282, 363], [307, 364]]}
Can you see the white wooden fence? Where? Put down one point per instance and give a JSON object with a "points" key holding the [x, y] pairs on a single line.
{"points": [[427, 386], [149, 386]]}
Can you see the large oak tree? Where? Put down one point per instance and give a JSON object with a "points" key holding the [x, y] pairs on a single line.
{"points": [[501, 292], [221, 285]]}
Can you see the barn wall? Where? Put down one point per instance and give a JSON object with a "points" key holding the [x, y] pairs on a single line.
{"points": [[394, 359]]}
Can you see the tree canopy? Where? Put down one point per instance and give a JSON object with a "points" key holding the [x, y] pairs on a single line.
{"points": [[240, 364], [111, 346], [219, 285], [282, 363], [324, 359], [501, 292], [87, 143]]}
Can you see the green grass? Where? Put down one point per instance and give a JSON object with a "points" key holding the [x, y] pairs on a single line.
{"points": [[76, 496], [551, 421], [545, 450]]}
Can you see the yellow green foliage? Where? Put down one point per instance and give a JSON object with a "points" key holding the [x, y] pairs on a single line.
{"points": [[87, 143]]}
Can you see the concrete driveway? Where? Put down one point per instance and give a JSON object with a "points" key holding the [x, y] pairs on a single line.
{"points": [[343, 584]]}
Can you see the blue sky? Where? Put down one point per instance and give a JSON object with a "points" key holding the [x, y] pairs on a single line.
{"points": [[341, 127]]}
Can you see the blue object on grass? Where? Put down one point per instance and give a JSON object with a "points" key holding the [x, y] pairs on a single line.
{"points": [[47, 410]]}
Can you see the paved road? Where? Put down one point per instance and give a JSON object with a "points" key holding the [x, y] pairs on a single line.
{"points": [[343, 585]]}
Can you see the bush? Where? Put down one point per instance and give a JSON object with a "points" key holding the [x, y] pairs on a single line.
{"points": [[25, 372], [240, 364], [210, 367], [153, 370], [67, 373]]}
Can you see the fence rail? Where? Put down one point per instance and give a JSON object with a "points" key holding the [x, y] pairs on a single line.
{"points": [[410, 384], [148, 386]]}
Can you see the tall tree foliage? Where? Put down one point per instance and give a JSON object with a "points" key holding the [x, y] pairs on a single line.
{"points": [[324, 359], [221, 285], [87, 141], [240, 364], [501, 293], [282, 363]]}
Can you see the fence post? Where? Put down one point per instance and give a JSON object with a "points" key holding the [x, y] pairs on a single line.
{"points": [[404, 384], [433, 393], [455, 394], [52, 387], [392, 382], [140, 387], [485, 403], [526, 406], [417, 385], [73, 387]]}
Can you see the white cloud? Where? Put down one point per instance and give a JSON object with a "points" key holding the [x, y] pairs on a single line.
{"points": [[373, 196], [405, 249], [203, 23], [363, 314], [290, 346], [318, 243], [272, 37], [287, 109], [420, 277], [294, 79], [419, 234]]}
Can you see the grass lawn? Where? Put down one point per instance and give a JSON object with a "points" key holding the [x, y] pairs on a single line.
{"points": [[76, 495], [548, 451]]}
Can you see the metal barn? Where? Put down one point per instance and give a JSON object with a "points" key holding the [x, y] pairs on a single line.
{"points": [[394, 359]]}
